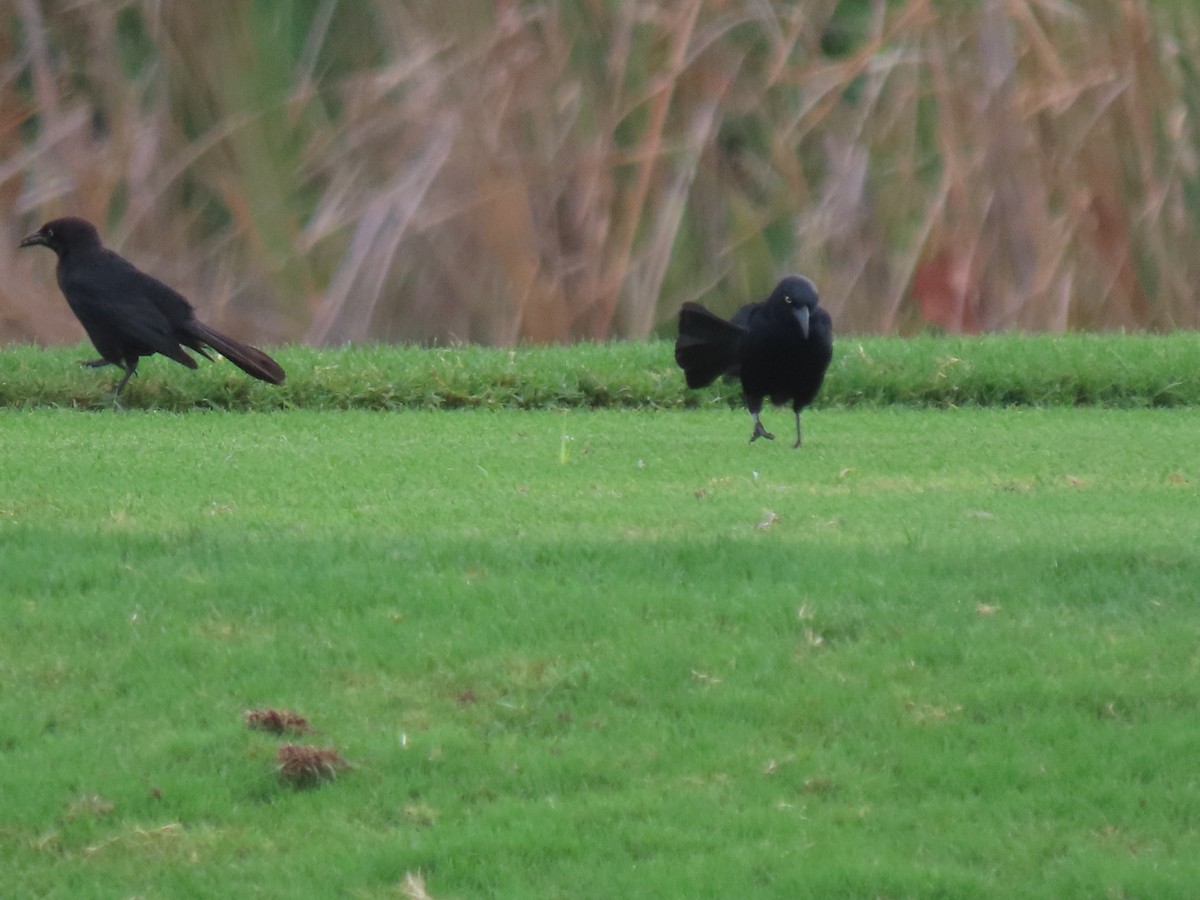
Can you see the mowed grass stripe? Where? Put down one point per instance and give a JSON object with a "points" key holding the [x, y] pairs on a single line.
{"points": [[576, 653]]}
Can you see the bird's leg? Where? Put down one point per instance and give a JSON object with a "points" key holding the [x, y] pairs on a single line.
{"points": [[759, 431], [797, 444], [130, 371]]}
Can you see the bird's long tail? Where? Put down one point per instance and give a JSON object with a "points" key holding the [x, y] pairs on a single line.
{"points": [[707, 345], [249, 359]]}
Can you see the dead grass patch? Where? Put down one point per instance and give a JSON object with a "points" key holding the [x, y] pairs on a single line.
{"points": [[303, 766]]}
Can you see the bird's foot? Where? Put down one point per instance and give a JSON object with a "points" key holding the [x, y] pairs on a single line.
{"points": [[93, 363], [796, 445], [760, 432]]}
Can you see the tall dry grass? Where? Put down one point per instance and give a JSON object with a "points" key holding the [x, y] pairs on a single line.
{"points": [[501, 171]]}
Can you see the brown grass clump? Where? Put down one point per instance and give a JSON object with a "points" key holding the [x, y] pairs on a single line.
{"points": [[304, 766], [276, 721]]}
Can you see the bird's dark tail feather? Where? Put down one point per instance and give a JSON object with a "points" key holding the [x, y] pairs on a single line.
{"points": [[707, 345], [249, 359]]}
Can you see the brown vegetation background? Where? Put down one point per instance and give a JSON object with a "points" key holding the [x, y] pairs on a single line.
{"points": [[322, 171]]}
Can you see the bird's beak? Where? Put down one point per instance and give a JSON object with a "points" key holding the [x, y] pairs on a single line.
{"points": [[37, 239], [801, 314]]}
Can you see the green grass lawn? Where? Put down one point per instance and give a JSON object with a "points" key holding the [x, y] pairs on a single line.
{"points": [[602, 653]]}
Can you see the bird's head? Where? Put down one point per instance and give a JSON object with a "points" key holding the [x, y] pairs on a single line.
{"points": [[64, 234], [799, 295]]}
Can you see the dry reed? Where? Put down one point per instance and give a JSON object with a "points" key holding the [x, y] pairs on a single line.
{"points": [[507, 171]]}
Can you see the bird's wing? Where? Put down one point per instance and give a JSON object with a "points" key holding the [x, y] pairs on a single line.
{"points": [[822, 325], [744, 316], [168, 301], [112, 297], [744, 319]]}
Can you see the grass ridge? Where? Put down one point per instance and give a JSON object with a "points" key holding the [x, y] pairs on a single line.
{"points": [[1114, 370]]}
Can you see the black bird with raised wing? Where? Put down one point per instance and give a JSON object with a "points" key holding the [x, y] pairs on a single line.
{"points": [[129, 314], [778, 348]]}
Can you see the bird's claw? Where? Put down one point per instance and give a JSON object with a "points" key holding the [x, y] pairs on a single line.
{"points": [[760, 432]]}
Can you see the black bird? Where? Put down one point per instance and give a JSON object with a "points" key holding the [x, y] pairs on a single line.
{"points": [[779, 348], [129, 314]]}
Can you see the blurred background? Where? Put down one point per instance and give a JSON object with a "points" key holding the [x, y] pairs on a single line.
{"points": [[496, 171]]}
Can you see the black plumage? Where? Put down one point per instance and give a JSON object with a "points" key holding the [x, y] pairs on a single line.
{"points": [[778, 349], [129, 314]]}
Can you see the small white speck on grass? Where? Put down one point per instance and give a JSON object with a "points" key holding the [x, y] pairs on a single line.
{"points": [[754, 475], [403, 740], [704, 678], [413, 886], [769, 520], [564, 449], [986, 609], [641, 464]]}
